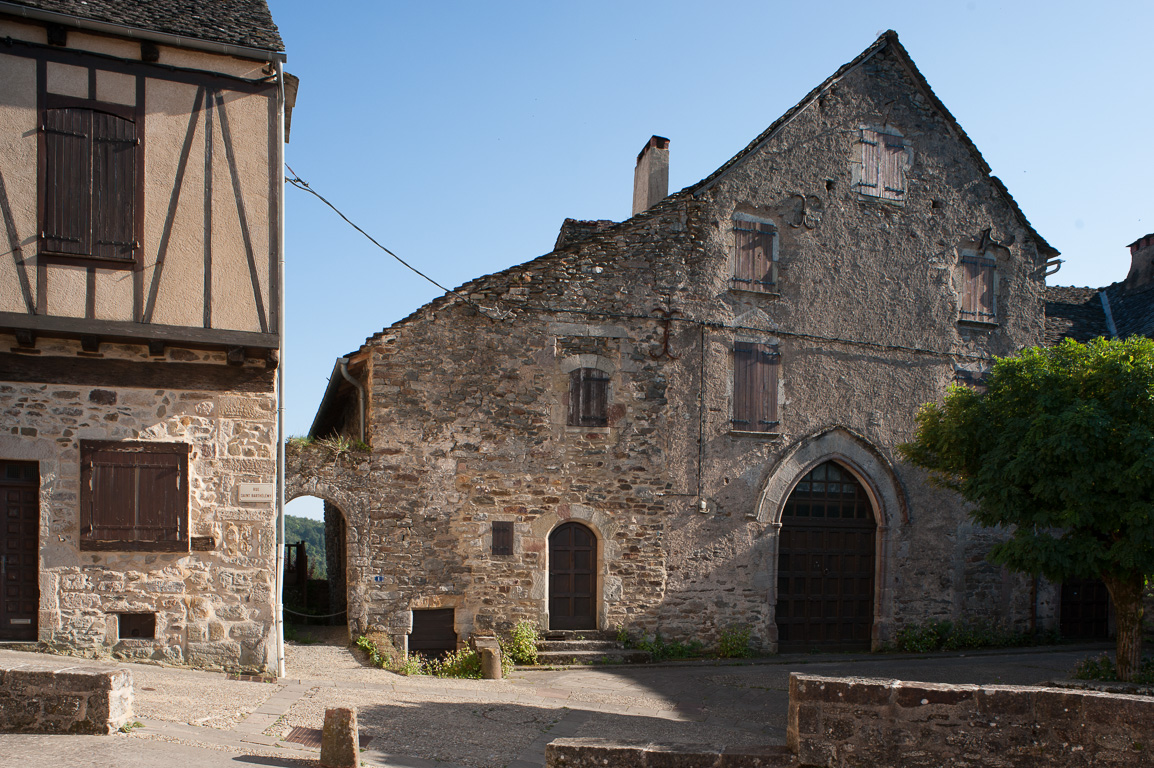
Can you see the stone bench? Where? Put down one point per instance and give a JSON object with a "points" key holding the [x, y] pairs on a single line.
{"points": [[50, 698]]}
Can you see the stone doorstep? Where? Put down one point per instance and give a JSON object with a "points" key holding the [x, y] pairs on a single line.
{"points": [[607, 656]]}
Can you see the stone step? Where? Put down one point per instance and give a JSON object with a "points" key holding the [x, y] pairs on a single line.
{"points": [[577, 645], [580, 634], [606, 656]]}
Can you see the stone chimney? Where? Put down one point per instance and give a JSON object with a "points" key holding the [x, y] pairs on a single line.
{"points": [[1141, 263], [651, 176]]}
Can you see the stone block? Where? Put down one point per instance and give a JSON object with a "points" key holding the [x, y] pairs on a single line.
{"points": [[770, 756], [594, 753], [340, 745], [683, 755], [491, 663]]}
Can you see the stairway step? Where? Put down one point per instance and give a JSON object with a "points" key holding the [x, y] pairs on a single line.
{"points": [[577, 645], [609, 656], [579, 634]]}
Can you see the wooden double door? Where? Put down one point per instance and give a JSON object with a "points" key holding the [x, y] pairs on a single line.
{"points": [[825, 570], [19, 549], [572, 577]]}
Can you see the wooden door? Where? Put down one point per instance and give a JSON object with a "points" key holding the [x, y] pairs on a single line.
{"points": [[19, 549], [433, 632], [1085, 611], [572, 578], [825, 572]]}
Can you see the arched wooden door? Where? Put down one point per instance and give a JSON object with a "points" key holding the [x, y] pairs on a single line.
{"points": [[572, 577], [825, 567]]}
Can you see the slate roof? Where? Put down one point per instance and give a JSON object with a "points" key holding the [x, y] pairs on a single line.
{"points": [[886, 39], [1133, 310], [1074, 313], [246, 23]]}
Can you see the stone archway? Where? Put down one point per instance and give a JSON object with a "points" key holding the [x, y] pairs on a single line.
{"points": [[881, 485]]}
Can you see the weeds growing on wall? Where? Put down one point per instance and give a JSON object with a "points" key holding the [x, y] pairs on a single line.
{"points": [[336, 444], [942, 635], [1103, 668], [734, 643], [463, 663]]}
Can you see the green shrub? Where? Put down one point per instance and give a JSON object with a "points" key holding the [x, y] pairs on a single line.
{"points": [[734, 643], [661, 650], [521, 647], [464, 663], [943, 635], [1103, 668]]}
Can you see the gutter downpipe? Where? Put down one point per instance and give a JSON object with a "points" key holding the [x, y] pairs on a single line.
{"points": [[343, 362], [280, 378]]}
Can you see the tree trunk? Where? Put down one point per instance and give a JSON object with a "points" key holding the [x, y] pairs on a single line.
{"points": [[1127, 596]]}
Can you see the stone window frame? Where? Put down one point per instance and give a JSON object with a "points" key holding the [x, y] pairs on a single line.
{"points": [[598, 362], [764, 226], [138, 456], [871, 168], [772, 347]]}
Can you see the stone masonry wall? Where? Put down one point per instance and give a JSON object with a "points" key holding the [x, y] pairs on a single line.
{"points": [[468, 401], [43, 698], [851, 721], [214, 604]]}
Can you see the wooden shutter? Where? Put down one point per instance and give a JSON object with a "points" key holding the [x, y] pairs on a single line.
{"points": [[870, 151], [891, 167], [978, 289], [67, 181], [134, 496], [755, 387], [588, 398], [753, 255], [113, 186], [502, 538]]}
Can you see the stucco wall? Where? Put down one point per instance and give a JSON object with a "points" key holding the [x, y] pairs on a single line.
{"points": [[174, 214]]}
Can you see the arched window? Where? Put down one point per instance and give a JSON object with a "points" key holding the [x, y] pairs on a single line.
{"points": [[588, 398]]}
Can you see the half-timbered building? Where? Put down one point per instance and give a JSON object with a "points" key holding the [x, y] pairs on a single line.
{"points": [[140, 316]]}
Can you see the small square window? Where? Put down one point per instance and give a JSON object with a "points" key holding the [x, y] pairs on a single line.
{"points": [[134, 626], [502, 538]]}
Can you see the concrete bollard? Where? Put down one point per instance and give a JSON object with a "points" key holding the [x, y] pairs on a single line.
{"points": [[340, 742], [491, 663]]}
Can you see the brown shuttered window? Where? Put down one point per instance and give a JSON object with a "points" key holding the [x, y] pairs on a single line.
{"points": [[89, 187], [502, 538], [978, 289], [883, 165], [134, 496], [753, 262], [588, 398], [755, 370]]}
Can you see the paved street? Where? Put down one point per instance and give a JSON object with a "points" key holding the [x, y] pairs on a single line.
{"points": [[204, 719]]}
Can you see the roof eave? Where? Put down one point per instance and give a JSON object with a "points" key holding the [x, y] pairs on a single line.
{"points": [[139, 33]]}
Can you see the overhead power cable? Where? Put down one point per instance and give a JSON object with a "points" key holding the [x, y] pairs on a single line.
{"points": [[301, 184]]}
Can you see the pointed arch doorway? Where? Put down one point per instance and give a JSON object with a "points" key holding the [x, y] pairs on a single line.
{"points": [[826, 555], [572, 577]]}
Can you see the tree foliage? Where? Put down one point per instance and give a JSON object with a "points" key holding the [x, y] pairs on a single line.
{"points": [[1058, 451]]}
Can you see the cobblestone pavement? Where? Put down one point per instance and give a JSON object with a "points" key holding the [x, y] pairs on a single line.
{"points": [[205, 719]]}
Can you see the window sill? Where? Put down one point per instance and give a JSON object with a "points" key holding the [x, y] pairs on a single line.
{"points": [[90, 545], [83, 260], [774, 294], [968, 322], [570, 429], [774, 435]]}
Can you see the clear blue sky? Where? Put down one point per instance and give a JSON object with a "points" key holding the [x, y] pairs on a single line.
{"points": [[461, 134]]}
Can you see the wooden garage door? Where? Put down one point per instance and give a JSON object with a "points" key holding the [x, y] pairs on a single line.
{"points": [[433, 633], [572, 578], [19, 545], [825, 573]]}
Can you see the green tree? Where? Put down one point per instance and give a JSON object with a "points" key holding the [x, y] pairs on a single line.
{"points": [[1059, 451]]}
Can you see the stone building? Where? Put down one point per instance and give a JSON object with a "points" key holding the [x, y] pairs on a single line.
{"points": [[140, 296], [686, 421]]}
